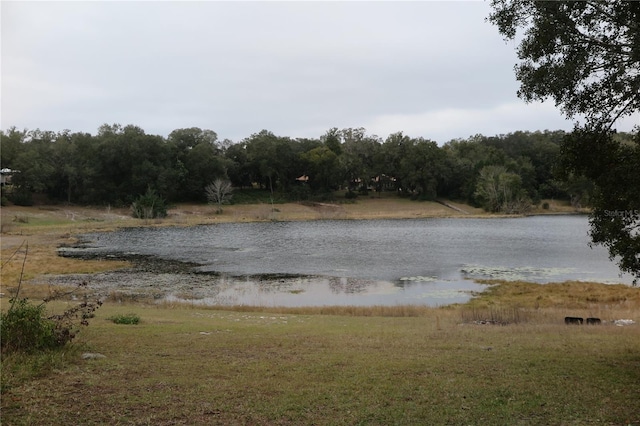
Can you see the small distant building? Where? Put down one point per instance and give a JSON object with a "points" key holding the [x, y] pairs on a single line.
{"points": [[5, 176], [303, 179]]}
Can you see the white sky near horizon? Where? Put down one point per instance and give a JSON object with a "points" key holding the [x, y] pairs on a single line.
{"points": [[432, 69]]}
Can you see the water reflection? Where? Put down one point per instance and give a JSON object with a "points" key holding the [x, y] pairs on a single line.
{"points": [[330, 291]]}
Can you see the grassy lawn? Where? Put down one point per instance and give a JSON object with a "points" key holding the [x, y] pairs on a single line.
{"points": [[182, 365], [188, 365]]}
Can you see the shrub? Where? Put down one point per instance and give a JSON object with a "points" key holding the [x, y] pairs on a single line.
{"points": [[350, 195], [299, 193], [323, 197], [22, 197], [125, 319], [30, 340], [149, 206], [25, 329], [21, 219]]}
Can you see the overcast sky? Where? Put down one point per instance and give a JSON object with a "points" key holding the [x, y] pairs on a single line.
{"points": [[432, 69]]}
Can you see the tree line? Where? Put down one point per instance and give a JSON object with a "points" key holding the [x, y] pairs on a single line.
{"points": [[504, 173]]}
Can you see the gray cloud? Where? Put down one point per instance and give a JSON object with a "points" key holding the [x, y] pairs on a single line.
{"points": [[431, 69]]}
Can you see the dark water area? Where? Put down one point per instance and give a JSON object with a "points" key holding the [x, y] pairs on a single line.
{"points": [[372, 262]]}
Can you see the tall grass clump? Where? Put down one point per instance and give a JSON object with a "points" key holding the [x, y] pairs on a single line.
{"points": [[493, 315], [129, 319]]}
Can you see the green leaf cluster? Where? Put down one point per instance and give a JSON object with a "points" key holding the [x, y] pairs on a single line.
{"points": [[25, 328]]}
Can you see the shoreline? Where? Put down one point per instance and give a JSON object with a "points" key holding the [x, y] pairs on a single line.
{"points": [[42, 224], [390, 207], [46, 228]]}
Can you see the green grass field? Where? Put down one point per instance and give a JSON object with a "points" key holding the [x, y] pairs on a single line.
{"points": [[182, 365]]}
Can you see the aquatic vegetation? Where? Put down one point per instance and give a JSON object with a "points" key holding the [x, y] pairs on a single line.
{"points": [[529, 273], [420, 278]]}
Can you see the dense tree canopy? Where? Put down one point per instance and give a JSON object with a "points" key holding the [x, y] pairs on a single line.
{"points": [[120, 163], [586, 57]]}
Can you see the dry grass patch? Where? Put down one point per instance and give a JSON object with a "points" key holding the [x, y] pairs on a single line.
{"points": [[42, 259], [392, 208], [74, 219], [517, 301], [347, 311], [569, 294], [558, 207]]}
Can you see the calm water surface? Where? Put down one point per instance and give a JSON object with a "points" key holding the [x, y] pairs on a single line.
{"points": [[414, 261]]}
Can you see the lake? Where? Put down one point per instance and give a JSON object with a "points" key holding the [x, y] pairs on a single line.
{"points": [[371, 262]]}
